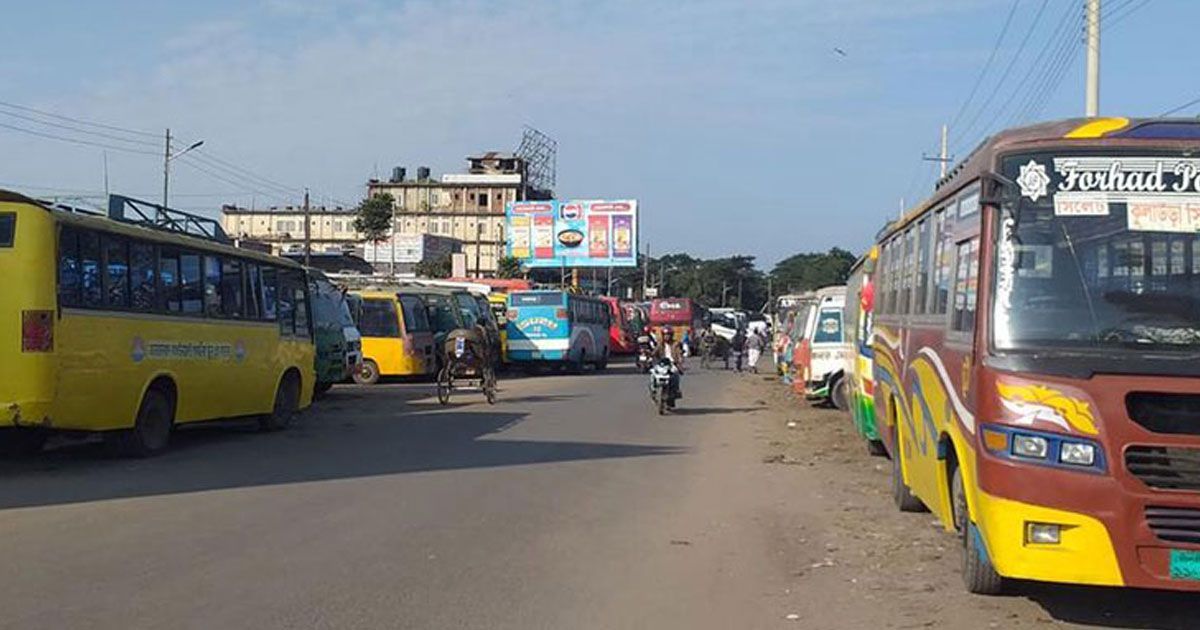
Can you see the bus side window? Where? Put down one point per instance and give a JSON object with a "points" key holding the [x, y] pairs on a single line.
{"points": [[193, 285], [169, 281], [966, 284], [89, 265], [300, 290], [69, 272], [212, 286], [231, 288], [287, 303], [270, 292], [144, 294], [253, 291], [116, 271]]}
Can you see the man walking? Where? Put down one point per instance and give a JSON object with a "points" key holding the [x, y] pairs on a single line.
{"points": [[754, 348]]}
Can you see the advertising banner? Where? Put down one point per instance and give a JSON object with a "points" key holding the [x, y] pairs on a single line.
{"points": [[574, 233]]}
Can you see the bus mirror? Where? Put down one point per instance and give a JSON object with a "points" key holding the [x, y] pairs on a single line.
{"points": [[998, 190]]}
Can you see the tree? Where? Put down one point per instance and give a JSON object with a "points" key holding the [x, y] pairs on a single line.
{"points": [[813, 270], [508, 267], [436, 268], [374, 217]]}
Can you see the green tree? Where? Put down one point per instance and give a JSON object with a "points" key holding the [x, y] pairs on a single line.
{"points": [[812, 270], [508, 267], [436, 268], [374, 217]]}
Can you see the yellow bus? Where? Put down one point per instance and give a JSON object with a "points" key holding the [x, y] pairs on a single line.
{"points": [[132, 330], [397, 339]]}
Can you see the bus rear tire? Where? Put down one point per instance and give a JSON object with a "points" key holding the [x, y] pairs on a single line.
{"points": [[151, 432], [287, 404], [367, 373], [978, 574], [839, 394], [875, 448], [22, 441], [602, 364]]}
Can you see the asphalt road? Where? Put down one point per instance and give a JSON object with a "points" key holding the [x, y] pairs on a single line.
{"points": [[567, 505]]}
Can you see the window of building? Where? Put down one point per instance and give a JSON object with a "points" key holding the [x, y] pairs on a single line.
{"points": [[483, 200]]}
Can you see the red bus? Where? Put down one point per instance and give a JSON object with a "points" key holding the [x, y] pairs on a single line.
{"points": [[622, 339], [1037, 355], [682, 314]]}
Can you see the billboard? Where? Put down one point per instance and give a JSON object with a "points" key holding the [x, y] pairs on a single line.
{"points": [[587, 233]]}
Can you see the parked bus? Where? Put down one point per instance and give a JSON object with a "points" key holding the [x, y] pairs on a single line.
{"points": [[682, 314], [132, 331], [859, 379], [498, 303], [338, 343], [558, 327], [397, 338], [622, 333], [822, 350], [1037, 355]]}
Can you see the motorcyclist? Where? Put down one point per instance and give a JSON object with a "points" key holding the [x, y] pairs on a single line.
{"points": [[669, 348]]}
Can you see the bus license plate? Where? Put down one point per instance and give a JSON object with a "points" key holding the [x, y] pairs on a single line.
{"points": [[1185, 565]]}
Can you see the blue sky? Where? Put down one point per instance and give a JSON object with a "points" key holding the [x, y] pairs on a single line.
{"points": [[736, 123]]}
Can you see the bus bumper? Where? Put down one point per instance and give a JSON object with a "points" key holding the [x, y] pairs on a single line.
{"points": [[1105, 536]]}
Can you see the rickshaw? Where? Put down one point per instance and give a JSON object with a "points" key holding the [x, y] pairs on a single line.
{"points": [[466, 357]]}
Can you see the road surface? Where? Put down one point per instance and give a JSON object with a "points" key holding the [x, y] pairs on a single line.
{"points": [[566, 505]]}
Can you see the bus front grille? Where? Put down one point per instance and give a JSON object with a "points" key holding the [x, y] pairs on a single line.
{"points": [[1165, 412], [1165, 467], [1173, 524]]}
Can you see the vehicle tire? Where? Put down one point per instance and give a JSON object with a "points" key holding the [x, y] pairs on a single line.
{"points": [[875, 448], [321, 389], [602, 364], [444, 384], [151, 430], [576, 366], [22, 441], [661, 398], [367, 373], [287, 404], [902, 495], [489, 385], [978, 574], [839, 394]]}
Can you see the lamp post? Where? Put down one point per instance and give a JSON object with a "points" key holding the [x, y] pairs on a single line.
{"points": [[167, 157]]}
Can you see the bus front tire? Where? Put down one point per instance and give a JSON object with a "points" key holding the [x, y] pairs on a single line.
{"points": [[287, 404], [151, 430], [367, 373], [978, 574], [839, 394]]}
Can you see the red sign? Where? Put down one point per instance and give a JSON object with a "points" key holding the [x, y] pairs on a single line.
{"points": [[531, 208], [615, 206]]}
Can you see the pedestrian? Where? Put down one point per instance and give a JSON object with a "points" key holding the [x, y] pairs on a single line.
{"points": [[737, 345], [687, 343], [754, 348]]}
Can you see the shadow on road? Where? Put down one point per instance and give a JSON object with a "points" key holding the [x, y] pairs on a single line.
{"points": [[356, 432], [1115, 608], [709, 411]]}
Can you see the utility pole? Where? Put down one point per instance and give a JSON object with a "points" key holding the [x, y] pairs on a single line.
{"points": [[166, 170], [307, 232], [944, 156], [1092, 107], [478, 245], [106, 175]]}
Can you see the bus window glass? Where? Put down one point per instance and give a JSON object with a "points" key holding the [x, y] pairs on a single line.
{"points": [[253, 305], [68, 268], [416, 317], [212, 286], [941, 264], [829, 327], [8, 229], [231, 287], [116, 272], [193, 283], [443, 314], [909, 271], [966, 281], [299, 289], [378, 318], [921, 287], [142, 276], [468, 309], [169, 281], [287, 303], [968, 205], [89, 264], [270, 290]]}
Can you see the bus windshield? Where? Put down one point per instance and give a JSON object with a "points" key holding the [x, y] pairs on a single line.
{"points": [[1088, 270]]}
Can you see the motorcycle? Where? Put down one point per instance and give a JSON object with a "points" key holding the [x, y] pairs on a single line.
{"points": [[662, 390], [645, 357]]}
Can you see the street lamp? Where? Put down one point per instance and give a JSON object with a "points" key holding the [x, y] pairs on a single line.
{"points": [[167, 157]]}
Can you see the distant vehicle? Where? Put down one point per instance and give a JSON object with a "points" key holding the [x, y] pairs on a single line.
{"points": [[820, 355], [557, 327], [397, 339], [859, 365], [726, 322], [131, 331], [338, 342], [622, 333], [498, 303], [682, 314]]}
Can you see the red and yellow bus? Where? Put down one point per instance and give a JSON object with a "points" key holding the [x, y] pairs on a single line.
{"points": [[1037, 355], [622, 333], [681, 314], [131, 331]]}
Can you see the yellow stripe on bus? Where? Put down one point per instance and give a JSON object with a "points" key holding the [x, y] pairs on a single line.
{"points": [[1098, 128]]}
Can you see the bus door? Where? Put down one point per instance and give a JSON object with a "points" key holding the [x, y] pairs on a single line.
{"points": [[382, 340], [417, 335]]}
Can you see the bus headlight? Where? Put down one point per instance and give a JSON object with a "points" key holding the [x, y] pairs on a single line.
{"points": [[1032, 446], [1077, 453]]}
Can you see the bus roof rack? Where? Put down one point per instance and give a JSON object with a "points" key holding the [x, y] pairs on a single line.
{"points": [[156, 217]]}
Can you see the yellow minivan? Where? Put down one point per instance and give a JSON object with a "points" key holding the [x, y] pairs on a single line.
{"points": [[397, 339]]}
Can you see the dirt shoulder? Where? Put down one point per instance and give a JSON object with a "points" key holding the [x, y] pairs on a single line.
{"points": [[860, 563]]}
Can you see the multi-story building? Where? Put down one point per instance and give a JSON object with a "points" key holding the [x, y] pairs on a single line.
{"points": [[283, 227], [466, 206]]}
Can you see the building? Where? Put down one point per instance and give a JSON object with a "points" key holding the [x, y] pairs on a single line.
{"points": [[283, 227], [465, 206], [400, 254]]}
